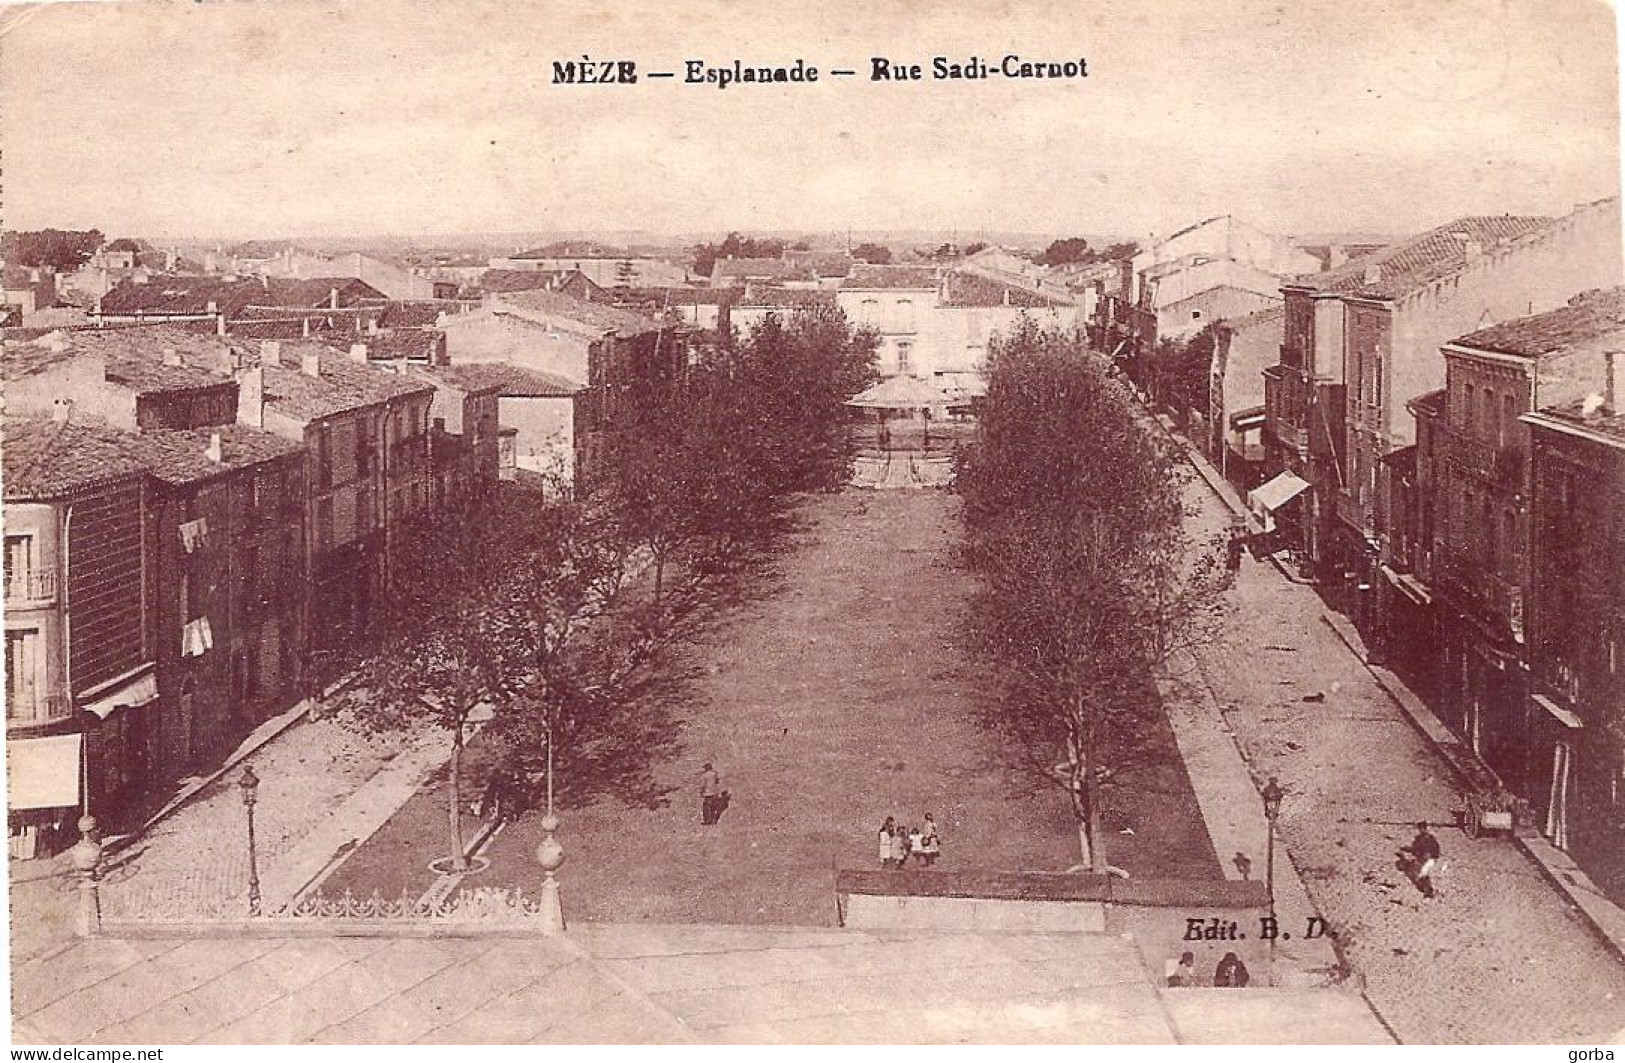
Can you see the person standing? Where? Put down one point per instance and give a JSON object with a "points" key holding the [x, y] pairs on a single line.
{"points": [[1184, 974], [930, 841], [1425, 853], [887, 852], [710, 795], [899, 847], [1231, 973]]}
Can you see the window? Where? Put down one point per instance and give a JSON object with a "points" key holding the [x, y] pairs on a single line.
{"points": [[1468, 405], [22, 663], [19, 565], [1509, 420], [905, 350], [324, 459]]}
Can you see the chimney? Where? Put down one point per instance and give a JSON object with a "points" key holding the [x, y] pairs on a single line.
{"points": [[1472, 249], [251, 396], [61, 409], [138, 277], [215, 452], [220, 325], [270, 353], [1373, 273], [332, 298], [358, 353], [304, 327], [211, 307], [310, 364], [172, 356]]}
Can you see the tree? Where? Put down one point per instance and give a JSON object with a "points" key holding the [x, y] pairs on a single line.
{"points": [[62, 250], [974, 247], [1087, 581], [874, 254], [735, 246], [1064, 251], [625, 273]]}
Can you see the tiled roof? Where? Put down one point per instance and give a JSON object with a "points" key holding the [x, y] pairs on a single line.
{"points": [[824, 263], [1603, 421], [1431, 404], [1410, 264], [416, 314], [415, 345], [765, 268], [597, 317], [521, 280], [515, 382], [134, 357], [1589, 316], [316, 292], [171, 294], [45, 458], [676, 295], [179, 456], [472, 377], [972, 289], [785, 297], [892, 277], [343, 385]]}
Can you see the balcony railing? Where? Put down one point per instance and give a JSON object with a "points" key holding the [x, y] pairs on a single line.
{"points": [[30, 586], [1474, 587]]}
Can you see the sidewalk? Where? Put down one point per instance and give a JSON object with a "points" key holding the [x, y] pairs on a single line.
{"points": [[1605, 917], [1500, 956]]}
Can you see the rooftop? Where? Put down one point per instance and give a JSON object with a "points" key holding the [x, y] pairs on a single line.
{"points": [[596, 317], [778, 269], [134, 357], [472, 377], [1589, 316], [523, 280], [1601, 420], [972, 289], [45, 458], [180, 456], [1430, 404], [757, 296], [513, 381], [343, 384], [892, 277], [1403, 267]]}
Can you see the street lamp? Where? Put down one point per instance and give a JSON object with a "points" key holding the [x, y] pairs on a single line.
{"points": [[1272, 808], [550, 854], [249, 784], [1272, 795]]}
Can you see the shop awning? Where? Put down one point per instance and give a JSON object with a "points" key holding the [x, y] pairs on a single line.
{"points": [[130, 695], [1559, 713], [1278, 492], [1253, 417], [42, 772]]}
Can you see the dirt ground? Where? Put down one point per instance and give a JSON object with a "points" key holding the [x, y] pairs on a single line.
{"points": [[834, 699]]}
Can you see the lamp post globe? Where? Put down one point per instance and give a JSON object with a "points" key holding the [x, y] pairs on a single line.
{"points": [[249, 787]]}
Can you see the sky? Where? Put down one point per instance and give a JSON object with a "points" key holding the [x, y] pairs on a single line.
{"points": [[241, 118]]}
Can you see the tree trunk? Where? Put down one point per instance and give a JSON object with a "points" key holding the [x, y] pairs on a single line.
{"points": [[455, 800], [1091, 798]]}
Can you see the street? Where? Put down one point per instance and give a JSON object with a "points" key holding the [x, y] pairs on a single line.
{"points": [[1499, 956]]}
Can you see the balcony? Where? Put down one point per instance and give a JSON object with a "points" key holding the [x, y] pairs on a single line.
{"points": [[30, 587], [1477, 591]]}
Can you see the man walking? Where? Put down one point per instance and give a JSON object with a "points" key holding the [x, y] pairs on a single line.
{"points": [[710, 795], [1425, 853]]}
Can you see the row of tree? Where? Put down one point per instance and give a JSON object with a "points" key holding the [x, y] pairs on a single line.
{"points": [[528, 616], [1087, 579], [64, 250]]}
